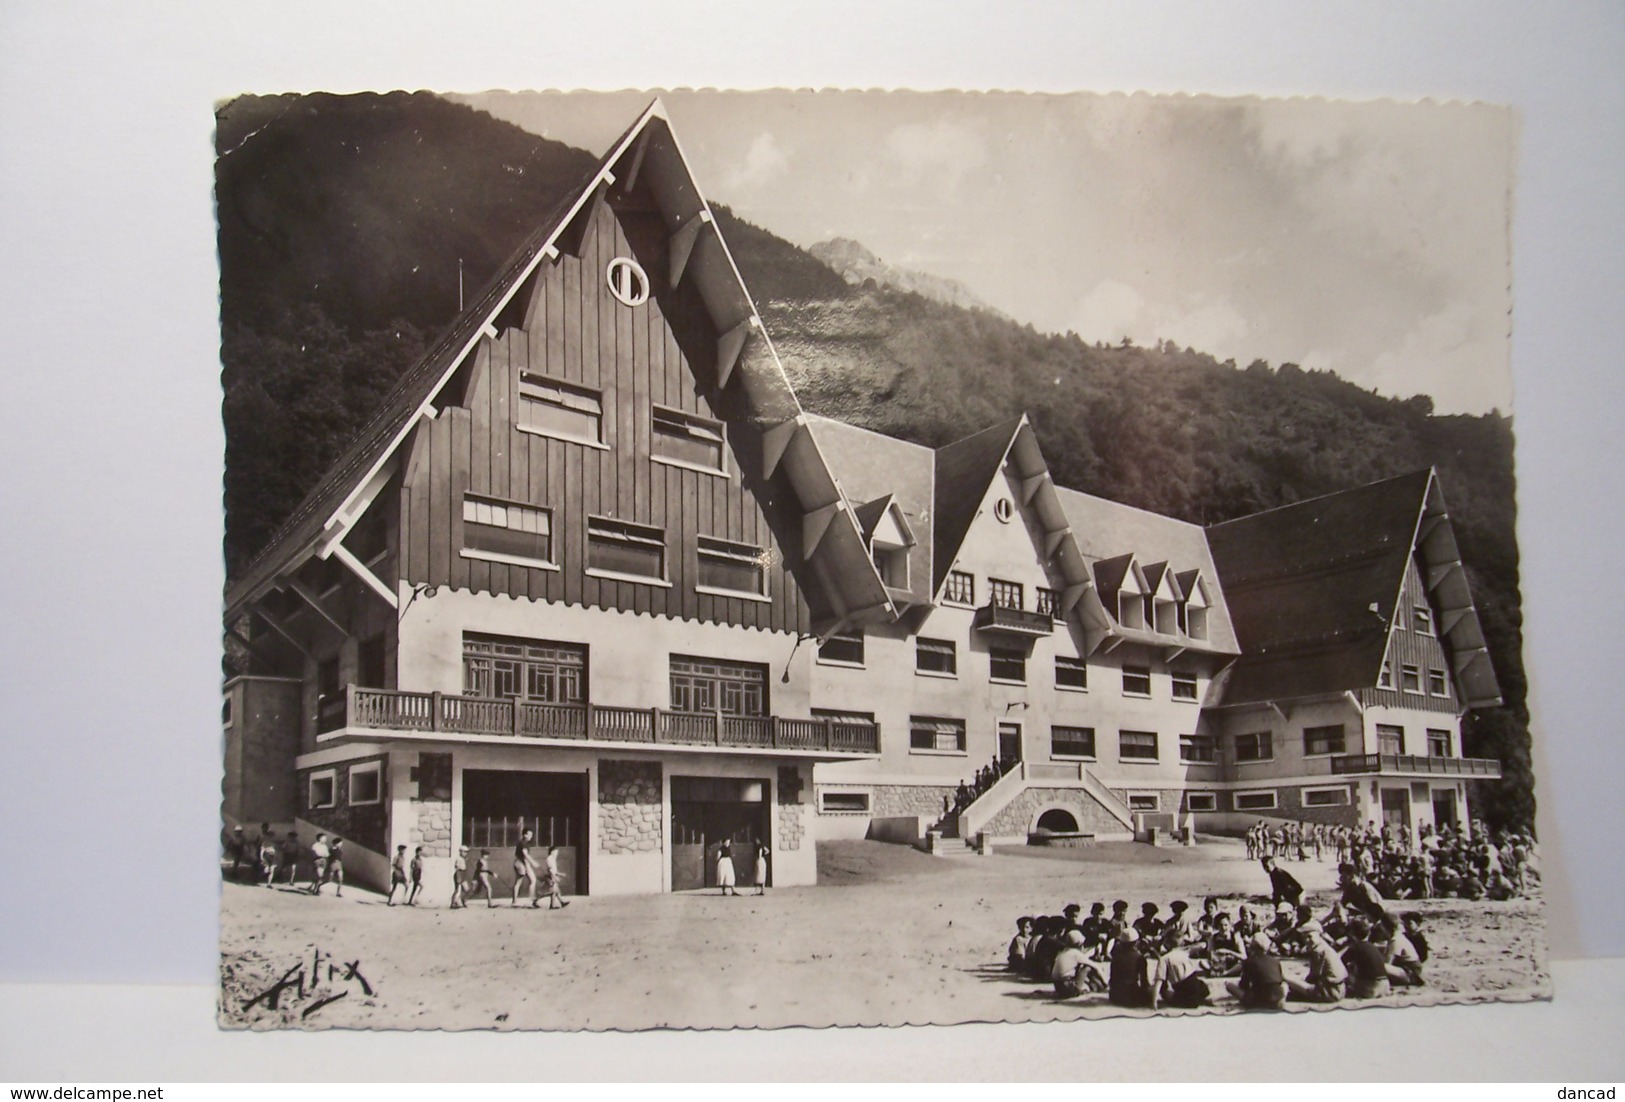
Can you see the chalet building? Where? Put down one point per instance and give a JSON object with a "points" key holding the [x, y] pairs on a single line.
{"points": [[592, 571]]}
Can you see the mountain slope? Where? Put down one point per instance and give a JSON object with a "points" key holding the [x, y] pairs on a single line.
{"points": [[857, 265]]}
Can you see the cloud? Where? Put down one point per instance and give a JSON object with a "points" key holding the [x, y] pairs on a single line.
{"points": [[1111, 310], [1455, 356], [764, 163], [943, 149], [1206, 324]]}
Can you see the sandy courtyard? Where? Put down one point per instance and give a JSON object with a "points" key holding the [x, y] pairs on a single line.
{"points": [[889, 936]]}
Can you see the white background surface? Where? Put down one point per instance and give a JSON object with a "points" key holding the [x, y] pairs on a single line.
{"points": [[109, 417]]}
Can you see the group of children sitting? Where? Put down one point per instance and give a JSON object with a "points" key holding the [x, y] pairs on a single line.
{"points": [[1154, 960]]}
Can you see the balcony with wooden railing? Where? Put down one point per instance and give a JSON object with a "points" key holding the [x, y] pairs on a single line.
{"points": [[1008, 619], [1414, 765], [372, 712]]}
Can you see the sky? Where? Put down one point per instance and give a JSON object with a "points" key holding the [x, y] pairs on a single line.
{"points": [[1371, 239]]}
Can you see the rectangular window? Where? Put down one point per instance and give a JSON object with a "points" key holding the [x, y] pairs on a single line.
{"points": [[1136, 680], [686, 439], [1255, 801], [1438, 743], [1198, 749], [559, 409], [844, 648], [506, 531], [1385, 679], [322, 789], [933, 734], [1323, 740], [1072, 742], [1255, 746], [1048, 603], [1184, 686], [1410, 678], [1201, 801], [1144, 801], [1137, 745], [731, 567], [630, 551], [1437, 685], [714, 685], [1195, 622], [1071, 673], [1390, 739], [843, 802], [366, 786], [1007, 664], [1004, 594], [1325, 797], [938, 656], [496, 666], [1422, 619], [960, 588]]}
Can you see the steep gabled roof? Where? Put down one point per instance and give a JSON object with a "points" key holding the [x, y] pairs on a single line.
{"points": [[965, 469], [1312, 588], [833, 543]]}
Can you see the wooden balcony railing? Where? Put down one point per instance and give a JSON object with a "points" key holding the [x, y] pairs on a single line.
{"points": [[1414, 764], [1015, 621], [392, 710]]}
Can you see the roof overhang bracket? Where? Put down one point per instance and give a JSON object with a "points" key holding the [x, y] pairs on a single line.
{"points": [[776, 440], [1437, 574], [315, 602], [1031, 485], [336, 549], [1449, 618], [815, 525], [730, 345], [1072, 594], [1349, 696], [1053, 541], [1173, 653], [1429, 525], [1280, 711], [275, 625], [249, 644], [1110, 643], [682, 246]]}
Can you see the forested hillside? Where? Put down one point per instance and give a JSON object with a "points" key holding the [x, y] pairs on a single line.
{"points": [[343, 220]]}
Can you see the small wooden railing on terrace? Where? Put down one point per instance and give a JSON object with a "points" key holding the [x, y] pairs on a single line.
{"points": [[1417, 764], [394, 710]]}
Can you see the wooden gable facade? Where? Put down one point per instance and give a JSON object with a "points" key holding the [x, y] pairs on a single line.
{"points": [[1419, 650], [638, 362]]}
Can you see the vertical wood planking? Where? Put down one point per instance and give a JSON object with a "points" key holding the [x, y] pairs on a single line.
{"points": [[462, 574]]}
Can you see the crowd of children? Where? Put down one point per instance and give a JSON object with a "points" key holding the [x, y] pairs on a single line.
{"points": [[1442, 863], [968, 791], [265, 858], [1356, 950]]}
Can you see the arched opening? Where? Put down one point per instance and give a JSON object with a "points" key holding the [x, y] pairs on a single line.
{"points": [[1057, 821]]}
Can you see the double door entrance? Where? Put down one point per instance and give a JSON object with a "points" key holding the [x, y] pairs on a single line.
{"points": [[499, 805], [705, 812]]}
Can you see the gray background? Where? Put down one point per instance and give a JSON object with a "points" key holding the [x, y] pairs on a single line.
{"points": [[111, 434]]}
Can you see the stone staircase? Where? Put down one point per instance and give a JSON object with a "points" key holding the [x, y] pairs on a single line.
{"points": [[1007, 810]]}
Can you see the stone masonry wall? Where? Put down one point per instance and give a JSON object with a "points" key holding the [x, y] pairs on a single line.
{"points": [[1016, 817], [432, 827], [629, 801], [792, 822], [909, 799]]}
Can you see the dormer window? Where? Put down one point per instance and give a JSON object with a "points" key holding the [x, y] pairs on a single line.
{"points": [[1193, 608], [889, 540]]}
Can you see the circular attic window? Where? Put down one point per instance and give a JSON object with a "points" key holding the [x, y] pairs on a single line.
{"points": [[1004, 510], [627, 281]]}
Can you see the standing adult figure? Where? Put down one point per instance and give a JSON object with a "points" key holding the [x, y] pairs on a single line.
{"points": [[524, 868], [725, 867], [761, 867]]}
